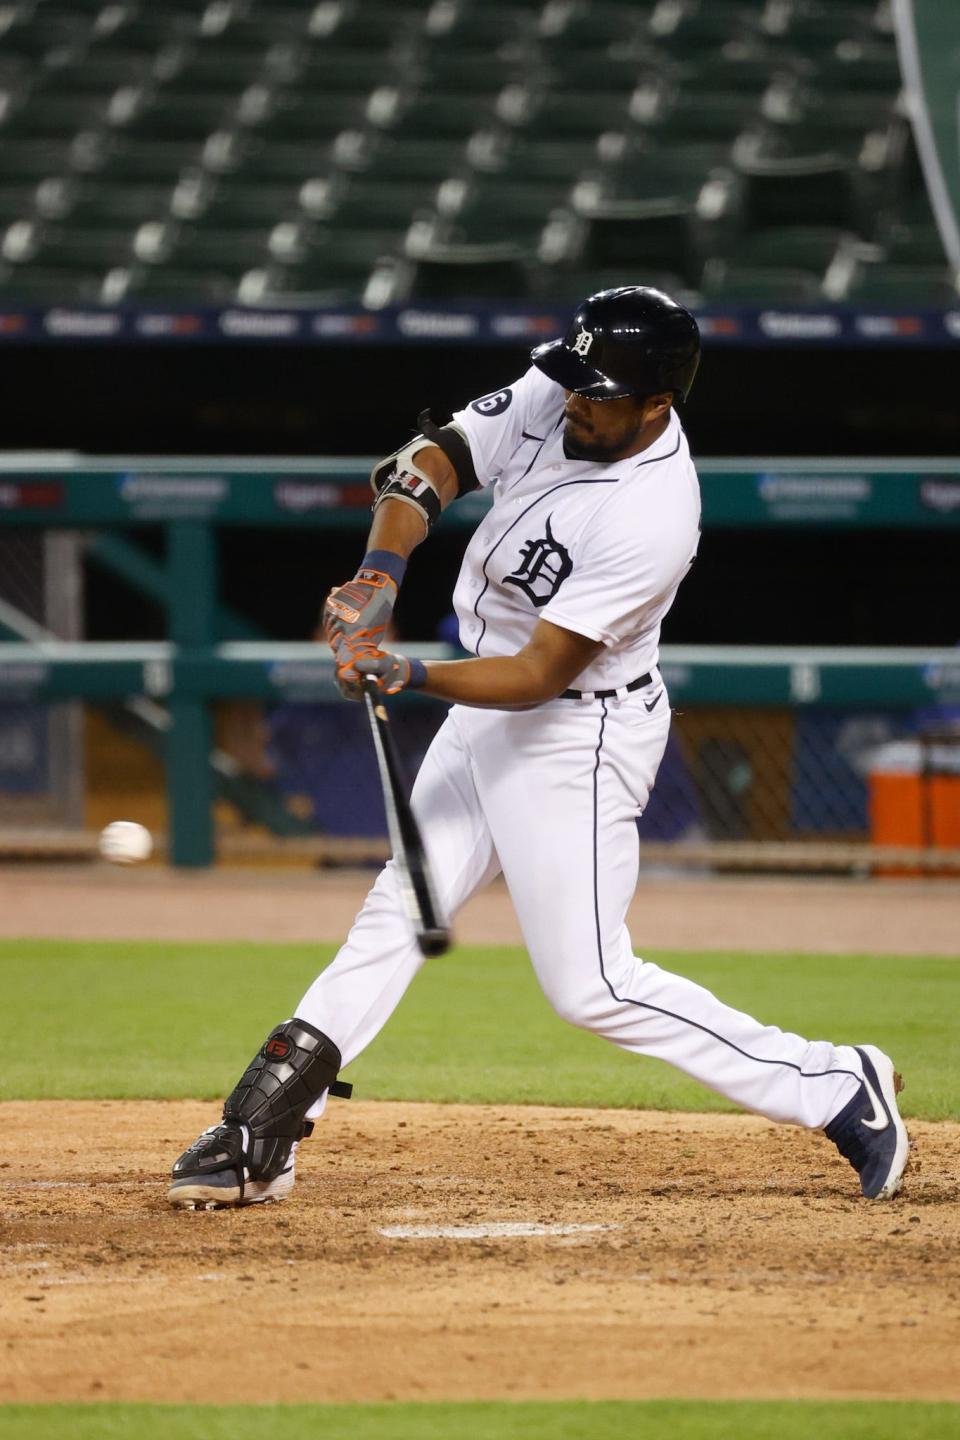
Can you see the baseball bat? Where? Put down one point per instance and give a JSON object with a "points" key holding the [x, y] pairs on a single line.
{"points": [[433, 934]]}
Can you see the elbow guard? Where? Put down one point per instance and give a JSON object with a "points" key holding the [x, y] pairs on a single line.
{"points": [[453, 442], [399, 477]]}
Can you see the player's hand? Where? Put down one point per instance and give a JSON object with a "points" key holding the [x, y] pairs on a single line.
{"points": [[360, 611], [391, 672]]}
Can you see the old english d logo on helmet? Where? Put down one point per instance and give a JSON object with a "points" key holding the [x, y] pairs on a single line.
{"points": [[639, 342]]}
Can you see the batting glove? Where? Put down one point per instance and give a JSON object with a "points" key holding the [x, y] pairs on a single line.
{"points": [[391, 672], [360, 611]]}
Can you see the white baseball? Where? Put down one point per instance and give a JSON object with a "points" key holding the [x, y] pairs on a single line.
{"points": [[125, 842]]}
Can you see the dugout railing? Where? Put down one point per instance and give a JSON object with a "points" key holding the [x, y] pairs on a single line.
{"points": [[779, 757]]}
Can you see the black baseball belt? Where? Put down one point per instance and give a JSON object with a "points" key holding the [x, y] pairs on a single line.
{"points": [[637, 684]]}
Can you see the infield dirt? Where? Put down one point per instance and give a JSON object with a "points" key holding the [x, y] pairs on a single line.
{"points": [[737, 1260]]}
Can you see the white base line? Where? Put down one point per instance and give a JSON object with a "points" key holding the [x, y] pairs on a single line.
{"points": [[493, 1230]]}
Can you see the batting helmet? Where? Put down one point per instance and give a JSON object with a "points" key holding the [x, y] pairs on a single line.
{"points": [[628, 341]]}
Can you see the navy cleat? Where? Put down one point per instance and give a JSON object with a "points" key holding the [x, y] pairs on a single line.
{"points": [[214, 1173], [869, 1131]]}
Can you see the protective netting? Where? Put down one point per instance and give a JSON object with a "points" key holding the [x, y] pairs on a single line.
{"points": [[733, 780]]}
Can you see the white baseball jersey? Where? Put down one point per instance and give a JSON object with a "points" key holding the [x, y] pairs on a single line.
{"points": [[595, 548]]}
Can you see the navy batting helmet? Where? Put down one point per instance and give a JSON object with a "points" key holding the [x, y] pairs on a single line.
{"points": [[628, 341]]}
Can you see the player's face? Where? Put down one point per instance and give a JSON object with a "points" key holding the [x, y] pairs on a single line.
{"points": [[607, 430]]}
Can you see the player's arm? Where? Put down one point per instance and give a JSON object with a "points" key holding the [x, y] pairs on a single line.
{"points": [[551, 659]]}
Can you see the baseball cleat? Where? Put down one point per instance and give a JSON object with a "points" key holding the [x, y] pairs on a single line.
{"points": [[869, 1131], [212, 1173]]}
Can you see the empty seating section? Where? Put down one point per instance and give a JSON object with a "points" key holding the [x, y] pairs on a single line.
{"points": [[348, 151]]}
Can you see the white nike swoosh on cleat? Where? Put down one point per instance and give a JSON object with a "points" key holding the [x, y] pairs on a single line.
{"points": [[880, 1119]]}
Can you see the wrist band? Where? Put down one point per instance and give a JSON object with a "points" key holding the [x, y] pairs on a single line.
{"points": [[418, 674], [387, 562]]}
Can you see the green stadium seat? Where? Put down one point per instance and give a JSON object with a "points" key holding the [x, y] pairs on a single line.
{"points": [[259, 161], [69, 248], [493, 209], [595, 25], [88, 74], [683, 29], [234, 204], [789, 247], [198, 286], [361, 203], [469, 272], [17, 202], [664, 171], [32, 284], [32, 37], [537, 159], [584, 69], [717, 116], [490, 27], [746, 69], [577, 116], [732, 282], [883, 284], [51, 117], [95, 205], [363, 26], [144, 161], [805, 190], [660, 234], [471, 71], [142, 30], [323, 71], [416, 159], [444, 116], [860, 67], [334, 267], [813, 27], [216, 71], [23, 161], [917, 243], [299, 118], [180, 117]]}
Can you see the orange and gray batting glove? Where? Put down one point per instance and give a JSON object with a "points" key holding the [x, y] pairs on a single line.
{"points": [[356, 616], [391, 672]]}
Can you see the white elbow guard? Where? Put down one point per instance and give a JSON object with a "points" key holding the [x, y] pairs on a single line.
{"points": [[399, 477]]}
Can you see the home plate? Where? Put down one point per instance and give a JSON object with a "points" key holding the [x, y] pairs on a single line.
{"points": [[492, 1230]]}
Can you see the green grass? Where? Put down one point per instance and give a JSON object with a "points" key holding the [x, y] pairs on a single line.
{"points": [[148, 1019], [600, 1420]]}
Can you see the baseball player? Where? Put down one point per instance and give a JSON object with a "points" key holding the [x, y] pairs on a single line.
{"points": [[558, 723]]}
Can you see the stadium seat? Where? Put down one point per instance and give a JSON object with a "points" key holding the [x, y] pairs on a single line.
{"points": [[23, 161], [322, 71], [860, 67], [443, 116], [254, 160], [594, 25], [180, 117], [94, 205], [716, 116], [234, 204], [215, 286], [813, 27], [533, 159], [474, 272], [363, 26], [685, 28], [589, 70], [489, 27], [493, 209], [300, 118], [646, 171], [333, 268], [433, 159], [126, 159], [660, 234], [789, 247], [88, 74], [17, 202], [52, 117], [729, 281], [576, 116], [881, 284], [359, 202], [811, 190], [469, 71], [216, 71], [67, 249]]}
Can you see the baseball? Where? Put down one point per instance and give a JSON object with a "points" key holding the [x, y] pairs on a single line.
{"points": [[124, 842]]}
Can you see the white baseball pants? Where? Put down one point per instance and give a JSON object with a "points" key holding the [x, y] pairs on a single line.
{"points": [[550, 797]]}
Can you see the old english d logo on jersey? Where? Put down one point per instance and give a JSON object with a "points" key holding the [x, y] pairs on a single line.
{"points": [[544, 565]]}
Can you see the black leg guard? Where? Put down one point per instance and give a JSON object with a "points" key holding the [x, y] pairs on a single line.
{"points": [[294, 1066]]}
